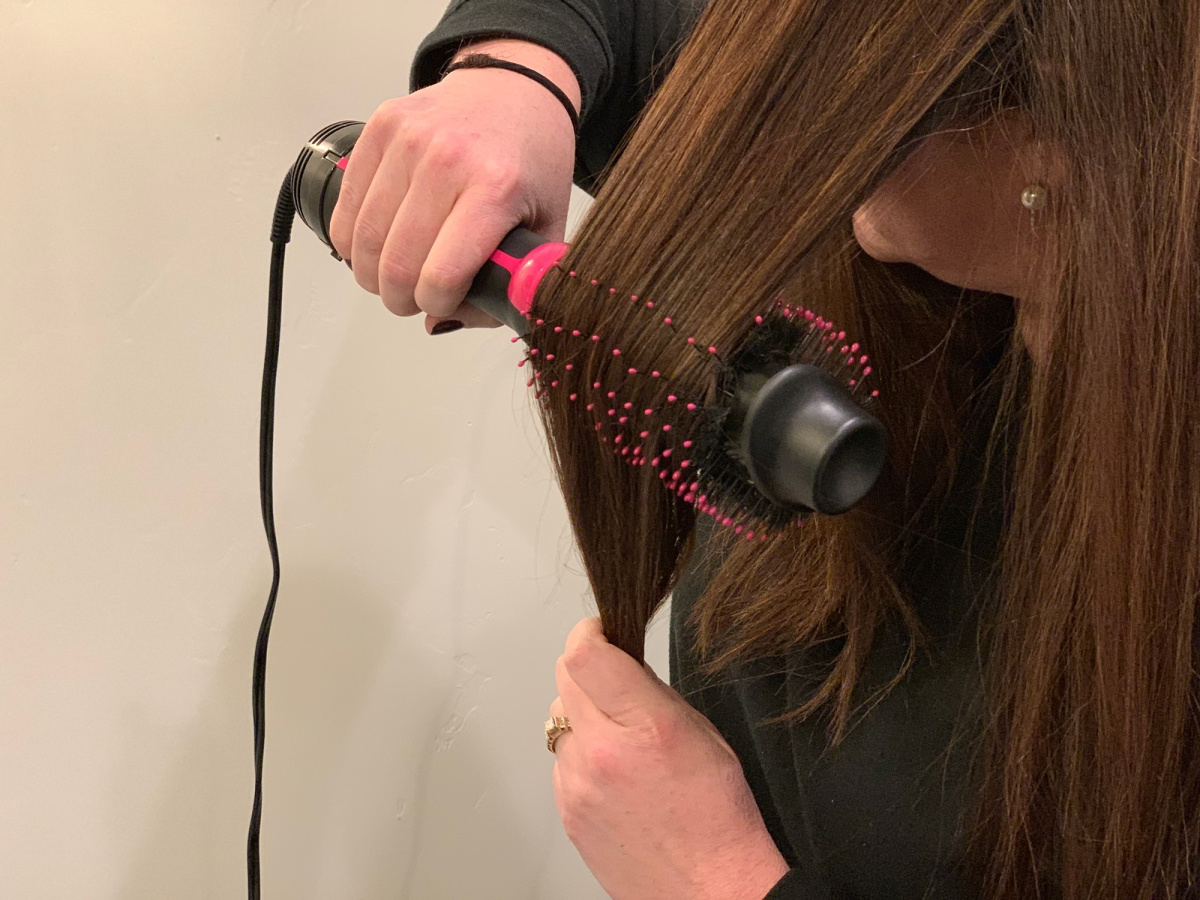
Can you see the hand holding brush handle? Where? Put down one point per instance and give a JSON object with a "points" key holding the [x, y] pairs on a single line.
{"points": [[439, 177], [790, 436]]}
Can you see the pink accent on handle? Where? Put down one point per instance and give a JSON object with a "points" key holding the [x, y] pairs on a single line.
{"points": [[341, 163], [509, 263], [527, 272]]}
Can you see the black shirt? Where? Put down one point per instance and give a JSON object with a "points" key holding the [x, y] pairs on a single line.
{"points": [[879, 816]]}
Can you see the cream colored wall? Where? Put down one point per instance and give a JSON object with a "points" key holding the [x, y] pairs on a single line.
{"points": [[428, 582]]}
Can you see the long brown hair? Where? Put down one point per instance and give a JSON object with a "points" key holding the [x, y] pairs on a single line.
{"points": [[737, 187]]}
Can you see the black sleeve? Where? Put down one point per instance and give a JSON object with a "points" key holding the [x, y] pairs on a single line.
{"points": [[618, 49]]}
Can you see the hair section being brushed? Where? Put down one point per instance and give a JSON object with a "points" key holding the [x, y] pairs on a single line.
{"points": [[737, 188]]}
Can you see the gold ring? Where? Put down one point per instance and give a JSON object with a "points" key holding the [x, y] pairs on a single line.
{"points": [[556, 728]]}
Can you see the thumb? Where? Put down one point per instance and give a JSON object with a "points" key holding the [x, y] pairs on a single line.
{"points": [[612, 679]]}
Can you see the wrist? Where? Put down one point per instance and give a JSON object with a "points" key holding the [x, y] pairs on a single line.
{"points": [[535, 56], [749, 875]]}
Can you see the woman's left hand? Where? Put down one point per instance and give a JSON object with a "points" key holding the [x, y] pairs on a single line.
{"points": [[650, 794]]}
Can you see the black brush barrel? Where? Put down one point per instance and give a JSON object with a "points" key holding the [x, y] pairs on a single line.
{"points": [[806, 442]]}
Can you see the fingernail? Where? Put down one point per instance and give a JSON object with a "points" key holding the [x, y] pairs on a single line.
{"points": [[445, 327]]}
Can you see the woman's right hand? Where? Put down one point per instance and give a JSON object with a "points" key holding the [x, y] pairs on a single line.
{"points": [[439, 177]]}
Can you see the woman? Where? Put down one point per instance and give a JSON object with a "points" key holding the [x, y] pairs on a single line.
{"points": [[982, 681]]}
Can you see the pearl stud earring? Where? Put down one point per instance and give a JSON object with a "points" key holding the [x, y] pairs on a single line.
{"points": [[1034, 197]]}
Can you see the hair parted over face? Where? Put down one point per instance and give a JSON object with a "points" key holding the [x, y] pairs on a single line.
{"points": [[738, 186]]}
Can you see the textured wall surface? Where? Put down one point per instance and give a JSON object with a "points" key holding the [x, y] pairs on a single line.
{"points": [[429, 580]]}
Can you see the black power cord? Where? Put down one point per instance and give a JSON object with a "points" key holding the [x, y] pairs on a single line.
{"points": [[281, 233]]}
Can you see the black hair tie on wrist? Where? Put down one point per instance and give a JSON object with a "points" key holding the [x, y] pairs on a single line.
{"points": [[483, 61]]}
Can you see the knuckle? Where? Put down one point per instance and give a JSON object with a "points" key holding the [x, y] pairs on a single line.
{"points": [[411, 137], [445, 151], [368, 235], [391, 117], [604, 764], [442, 279], [661, 731], [501, 181], [397, 301], [389, 109], [398, 273], [575, 657]]}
